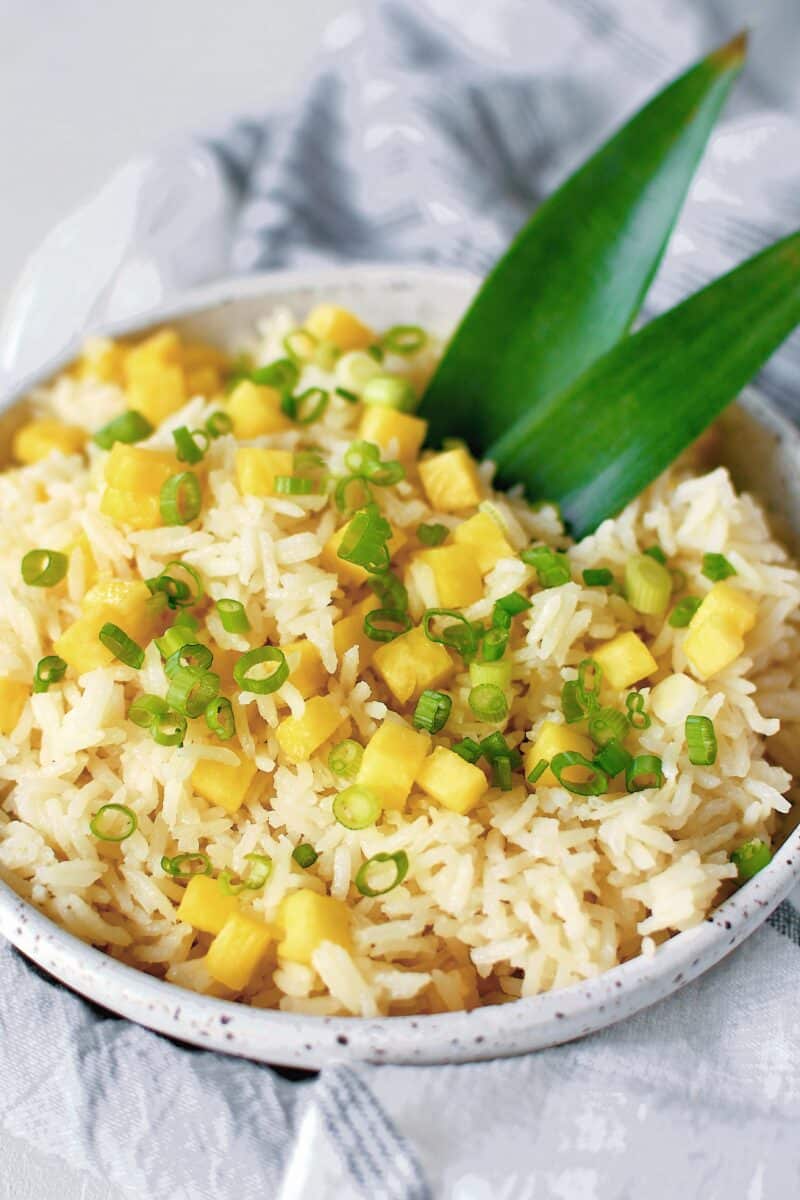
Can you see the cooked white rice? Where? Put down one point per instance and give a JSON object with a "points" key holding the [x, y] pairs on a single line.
{"points": [[532, 890]]}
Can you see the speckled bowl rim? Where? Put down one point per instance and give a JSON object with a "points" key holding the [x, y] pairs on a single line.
{"points": [[306, 1041]]}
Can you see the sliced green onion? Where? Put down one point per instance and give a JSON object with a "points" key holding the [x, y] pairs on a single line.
{"points": [[404, 339], [355, 369], [573, 702], [44, 568], [716, 567], [167, 727], [300, 345], [386, 624], [494, 644], [176, 636], [634, 703], [121, 646], [356, 807], [179, 593], [305, 855], [400, 860], [646, 771], [185, 866], [538, 771], [186, 445], [501, 619], [232, 615], [488, 702], [596, 785], [390, 591], [220, 719], [468, 749], [607, 725], [648, 585], [613, 758], [701, 740], [388, 474], [191, 693], [218, 424], [432, 711], [130, 427], [106, 820], [307, 459], [345, 759], [552, 567], [495, 674], [255, 879], [750, 858], [180, 499], [342, 487], [590, 678], [495, 746], [49, 670], [191, 656], [389, 391], [433, 534], [293, 485], [501, 773], [683, 611], [376, 352], [597, 577], [656, 553], [366, 540], [347, 395], [306, 408], [362, 458], [282, 374], [460, 635], [144, 710], [513, 604], [258, 683]]}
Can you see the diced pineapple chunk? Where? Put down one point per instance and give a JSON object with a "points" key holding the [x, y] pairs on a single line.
{"points": [[125, 603], [37, 439], [451, 781], [255, 410], [674, 698], [482, 536], [308, 919], [392, 758], [556, 739], [451, 480], [13, 697], [204, 905], [198, 355], [713, 645], [222, 783], [456, 574], [156, 391], [81, 546], [128, 508], [161, 348], [143, 472], [330, 323], [306, 671], [351, 572], [256, 469], [202, 381], [395, 432], [726, 600], [350, 632], [237, 950], [625, 660], [102, 358], [411, 663], [300, 737]]}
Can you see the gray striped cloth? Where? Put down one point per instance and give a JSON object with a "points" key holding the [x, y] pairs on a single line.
{"points": [[428, 133]]}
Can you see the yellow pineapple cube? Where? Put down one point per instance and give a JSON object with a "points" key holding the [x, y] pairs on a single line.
{"points": [[308, 919], [395, 432], [13, 697], [329, 323], [713, 644], [143, 472], [349, 631], [726, 600], [451, 781], [198, 355], [102, 358], [222, 783], [411, 663], [203, 381], [451, 480], [352, 573], [37, 439], [128, 508], [306, 671], [456, 574], [204, 905], [237, 950], [256, 469], [157, 391], [161, 348], [81, 546], [300, 737], [255, 410], [625, 660], [125, 603], [482, 536], [392, 758], [554, 739]]}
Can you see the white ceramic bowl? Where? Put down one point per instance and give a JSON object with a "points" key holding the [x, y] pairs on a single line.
{"points": [[763, 451]]}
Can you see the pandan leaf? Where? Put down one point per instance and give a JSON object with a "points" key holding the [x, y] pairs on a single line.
{"points": [[574, 278], [601, 441]]}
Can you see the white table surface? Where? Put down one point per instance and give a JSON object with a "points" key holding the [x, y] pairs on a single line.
{"points": [[86, 84]]}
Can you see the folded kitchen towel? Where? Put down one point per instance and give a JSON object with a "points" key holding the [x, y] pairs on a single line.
{"points": [[429, 133]]}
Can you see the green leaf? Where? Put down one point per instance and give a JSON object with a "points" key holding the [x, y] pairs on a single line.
{"points": [[574, 278], [598, 444]]}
